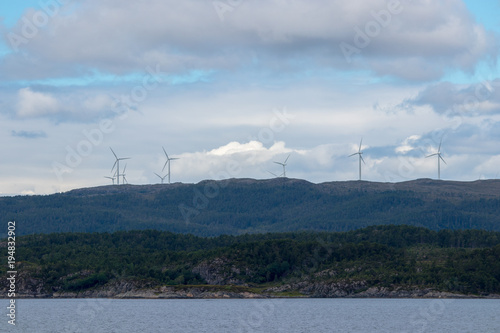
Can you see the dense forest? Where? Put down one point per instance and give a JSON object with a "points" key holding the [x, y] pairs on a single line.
{"points": [[238, 206], [462, 261]]}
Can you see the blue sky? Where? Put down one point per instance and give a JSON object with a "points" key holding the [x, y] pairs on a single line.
{"points": [[13, 10], [486, 12], [231, 87]]}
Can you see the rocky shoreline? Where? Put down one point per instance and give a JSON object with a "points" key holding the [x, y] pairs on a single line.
{"points": [[133, 290]]}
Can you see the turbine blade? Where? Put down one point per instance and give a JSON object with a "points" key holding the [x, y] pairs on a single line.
{"points": [[279, 163], [440, 142], [360, 143], [114, 166], [353, 154], [431, 155], [275, 175], [286, 159], [164, 165], [174, 158], [442, 159], [361, 157], [125, 168], [164, 151], [157, 174], [113, 153]]}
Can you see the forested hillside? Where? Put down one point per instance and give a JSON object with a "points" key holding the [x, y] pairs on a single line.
{"points": [[304, 263], [238, 206]]}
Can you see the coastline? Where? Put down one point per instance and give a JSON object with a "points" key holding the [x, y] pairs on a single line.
{"points": [[239, 292]]}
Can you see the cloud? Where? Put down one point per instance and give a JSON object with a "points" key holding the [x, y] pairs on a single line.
{"points": [[453, 99], [245, 155], [418, 41], [407, 145], [489, 167], [222, 79], [242, 160], [34, 104], [236, 147], [29, 134], [74, 104], [98, 102]]}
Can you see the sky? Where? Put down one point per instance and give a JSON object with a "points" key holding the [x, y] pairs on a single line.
{"points": [[230, 87]]}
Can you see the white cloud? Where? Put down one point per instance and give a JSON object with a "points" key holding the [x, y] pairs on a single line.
{"points": [[236, 147], [34, 104], [407, 144], [64, 105], [98, 103], [489, 167]]}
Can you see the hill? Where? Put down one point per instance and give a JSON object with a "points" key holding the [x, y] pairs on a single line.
{"points": [[378, 261], [237, 206]]}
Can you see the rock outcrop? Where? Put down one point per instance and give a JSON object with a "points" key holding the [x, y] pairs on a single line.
{"points": [[32, 288], [219, 271]]}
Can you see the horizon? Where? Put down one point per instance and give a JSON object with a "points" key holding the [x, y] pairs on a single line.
{"points": [[260, 180]]}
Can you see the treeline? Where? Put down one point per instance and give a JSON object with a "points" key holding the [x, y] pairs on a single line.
{"points": [[247, 206], [465, 261], [398, 236]]}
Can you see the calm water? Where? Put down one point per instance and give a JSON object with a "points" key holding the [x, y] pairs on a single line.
{"points": [[276, 315]]}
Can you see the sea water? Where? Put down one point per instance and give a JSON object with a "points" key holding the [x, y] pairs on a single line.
{"points": [[253, 315]]}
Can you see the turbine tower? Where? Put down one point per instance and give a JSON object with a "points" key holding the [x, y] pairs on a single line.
{"points": [[360, 153], [168, 162], [440, 158], [284, 165], [162, 178], [117, 164]]}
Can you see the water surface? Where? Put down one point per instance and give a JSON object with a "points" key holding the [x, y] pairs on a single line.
{"points": [[267, 315]]}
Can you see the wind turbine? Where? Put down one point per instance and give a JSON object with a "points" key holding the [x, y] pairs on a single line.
{"points": [[123, 175], [360, 153], [275, 175], [438, 154], [162, 178], [168, 162], [117, 164], [112, 179], [284, 165]]}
